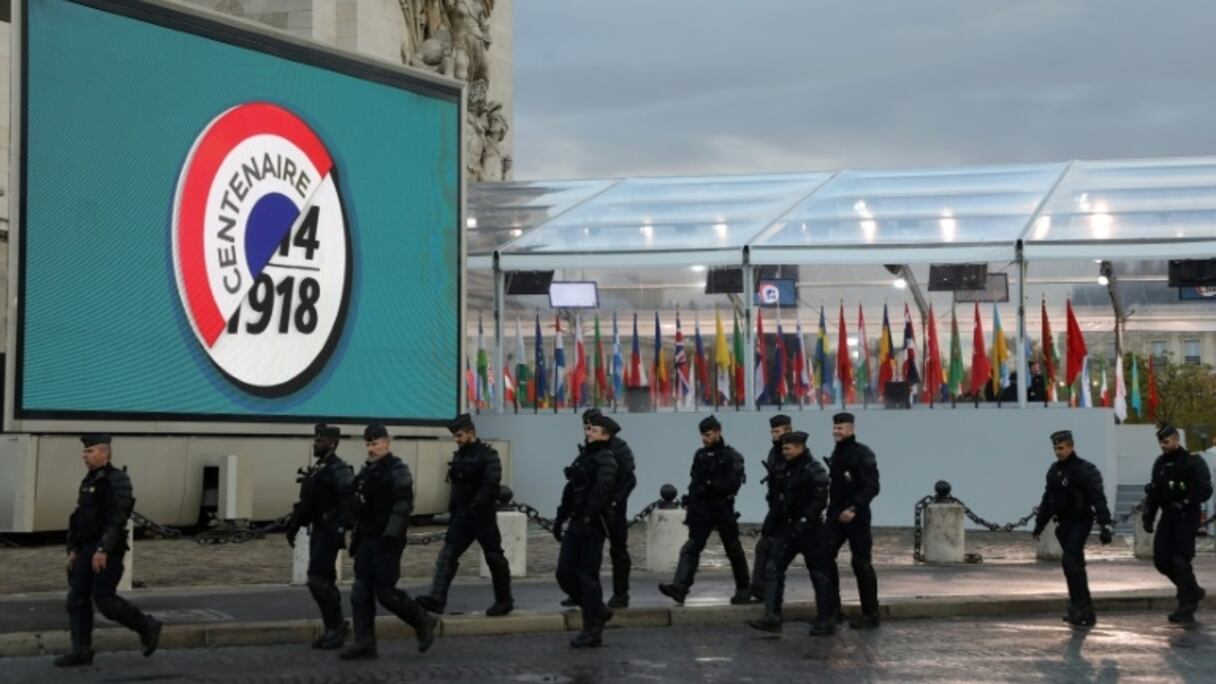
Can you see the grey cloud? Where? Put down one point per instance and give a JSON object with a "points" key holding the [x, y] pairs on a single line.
{"points": [[633, 87]]}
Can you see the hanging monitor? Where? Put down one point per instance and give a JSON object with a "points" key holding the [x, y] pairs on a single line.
{"points": [[997, 290], [529, 282], [954, 277], [573, 295], [776, 292], [1192, 272], [724, 281]]}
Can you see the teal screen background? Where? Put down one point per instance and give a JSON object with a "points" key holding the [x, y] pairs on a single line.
{"points": [[113, 106]]}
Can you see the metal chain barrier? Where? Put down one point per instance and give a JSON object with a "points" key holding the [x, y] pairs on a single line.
{"points": [[645, 512], [533, 515], [425, 539]]}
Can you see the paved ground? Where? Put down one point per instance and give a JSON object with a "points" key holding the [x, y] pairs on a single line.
{"points": [[45, 611], [182, 563], [1125, 647]]}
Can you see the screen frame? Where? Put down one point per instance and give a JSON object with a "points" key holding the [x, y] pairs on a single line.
{"points": [[594, 288], [250, 36]]}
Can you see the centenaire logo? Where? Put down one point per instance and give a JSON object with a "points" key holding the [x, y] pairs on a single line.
{"points": [[261, 248]]}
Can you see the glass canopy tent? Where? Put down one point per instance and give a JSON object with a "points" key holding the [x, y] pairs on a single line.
{"points": [[649, 229]]}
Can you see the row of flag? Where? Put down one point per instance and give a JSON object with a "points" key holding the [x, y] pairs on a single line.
{"points": [[596, 376]]}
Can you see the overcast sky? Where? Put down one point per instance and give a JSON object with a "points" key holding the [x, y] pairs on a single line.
{"points": [[620, 87]]}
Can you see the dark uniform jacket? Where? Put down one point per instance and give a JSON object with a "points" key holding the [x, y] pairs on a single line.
{"points": [[590, 484], [103, 508], [854, 472], [626, 479], [716, 476], [1181, 483], [1073, 493], [774, 465], [384, 491], [475, 473], [802, 494], [327, 495]]}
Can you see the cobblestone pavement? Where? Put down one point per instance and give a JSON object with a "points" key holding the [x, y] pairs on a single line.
{"points": [[182, 563], [1128, 647]]}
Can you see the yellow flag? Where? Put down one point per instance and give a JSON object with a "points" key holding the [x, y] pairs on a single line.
{"points": [[722, 355]]}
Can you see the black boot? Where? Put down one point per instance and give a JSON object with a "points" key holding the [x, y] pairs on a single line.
{"points": [[743, 596], [333, 638], [500, 576], [821, 628], [445, 571], [766, 624], [591, 635], [411, 613], [75, 659], [622, 564], [619, 601], [864, 622], [774, 597], [569, 602], [149, 638], [675, 591]]}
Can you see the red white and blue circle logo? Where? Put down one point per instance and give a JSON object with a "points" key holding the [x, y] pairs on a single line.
{"points": [[261, 248]]}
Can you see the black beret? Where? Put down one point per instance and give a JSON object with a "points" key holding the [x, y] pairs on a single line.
{"points": [[710, 423], [794, 438], [1061, 436], [375, 431], [600, 420], [1166, 431], [462, 422], [779, 420], [323, 430], [589, 414], [842, 418], [95, 438]]}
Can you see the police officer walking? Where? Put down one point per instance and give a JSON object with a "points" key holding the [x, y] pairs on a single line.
{"points": [[97, 542], [326, 506], [717, 475], [774, 464], [1074, 496], [475, 473], [1181, 484], [587, 500], [793, 527], [618, 517], [854, 474], [384, 491]]}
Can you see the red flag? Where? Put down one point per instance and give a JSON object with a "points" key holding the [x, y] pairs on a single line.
{"points": [[1077, 350], [761, 357], [1152, 391], [781, 389], [980, 370], [933, 364], [844, 365], [1049, 356]]}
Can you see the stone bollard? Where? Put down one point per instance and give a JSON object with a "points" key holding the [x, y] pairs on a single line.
{"points": [[126, 583], [513, 526], [944, 537], [299, 560], [1142, 541], [1048, 547], [665, 533]]}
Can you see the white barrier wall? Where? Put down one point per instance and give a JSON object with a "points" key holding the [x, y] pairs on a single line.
{"points": [[996, 459]]}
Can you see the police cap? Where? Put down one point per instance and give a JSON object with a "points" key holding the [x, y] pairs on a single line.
{"points": [[1061, 437], [609, 425], [462, 422], [779, 420], [842, 418], [323, 430], [798, 438], [94, 438], [589, 414]]}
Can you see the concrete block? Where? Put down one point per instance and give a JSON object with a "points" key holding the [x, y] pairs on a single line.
{"points": [[720, 614], [513, 526], [944, 540], [1048, 547], [299, 560], [1142, 541], [665, 534]]}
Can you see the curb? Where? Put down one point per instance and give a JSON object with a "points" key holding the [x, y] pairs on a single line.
{"points": [[237, 634]]}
